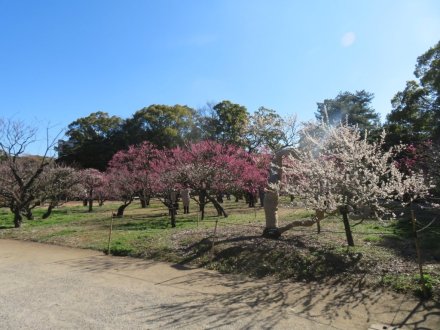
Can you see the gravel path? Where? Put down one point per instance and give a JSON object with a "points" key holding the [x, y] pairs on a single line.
{"points": [[52, 287]]}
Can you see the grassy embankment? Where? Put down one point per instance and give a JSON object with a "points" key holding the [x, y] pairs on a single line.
{"points": [[384, 253]]}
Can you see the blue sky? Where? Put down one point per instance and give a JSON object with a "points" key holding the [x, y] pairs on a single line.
{"points": [[63, 59]]}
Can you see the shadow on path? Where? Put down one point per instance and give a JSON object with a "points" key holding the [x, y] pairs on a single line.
{"points": [[227, 300]]}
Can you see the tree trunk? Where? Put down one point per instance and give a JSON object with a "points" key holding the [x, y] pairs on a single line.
{"points": [[219, 198], [171, 210], [319, 215], [271, 214], [202, 203], [271, 196], [202, 211], [143, 202], [344, 212], [17, 218], [297, 223], [251, 200], [28, 214], [220, 210], [292, 198], [90, 205], [121, 209], [85, 202], [261, 193], [173, 215], [48, 212]]}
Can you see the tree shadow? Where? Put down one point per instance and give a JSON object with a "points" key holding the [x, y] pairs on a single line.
{"points": [[202, 297], [102, 263], [291, 258], [269, 304]]}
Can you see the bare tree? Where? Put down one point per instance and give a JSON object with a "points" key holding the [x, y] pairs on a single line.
{"points": [[57, 184], [20, 173], [268, 130]]}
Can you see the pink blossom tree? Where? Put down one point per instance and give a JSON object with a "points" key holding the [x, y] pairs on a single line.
{"points": [[130, 174], [424, 156], [103, 191], [164, 181], [208, 169], [121, 186], [142, 157], [254, 176]]}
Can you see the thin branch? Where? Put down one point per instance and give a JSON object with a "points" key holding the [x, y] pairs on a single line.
{"points": [[358, 223], [299, 223], [429, 224]]}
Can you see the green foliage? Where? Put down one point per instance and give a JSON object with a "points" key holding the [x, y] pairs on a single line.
{"points": [[399, 283], [426, 291], [372, 238], [57, 234], [120, 248], [428, 71], [353, 108], [412, 283], [97, 125], [163, 125], [410, 120], [228, 123], [415, 116], [91, 141]]}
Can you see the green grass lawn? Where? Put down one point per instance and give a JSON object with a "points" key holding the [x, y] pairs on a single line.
{"points": [[384, 253]]}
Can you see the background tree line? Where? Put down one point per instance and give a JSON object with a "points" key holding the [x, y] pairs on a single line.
{"points": [[93, 140], [414, 119]]}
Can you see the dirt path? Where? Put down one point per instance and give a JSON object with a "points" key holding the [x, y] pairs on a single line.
{"points": [[52, 287]]}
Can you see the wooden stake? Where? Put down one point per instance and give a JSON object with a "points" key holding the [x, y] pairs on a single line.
{"points": [[110, 235], [419, 257], [213, 239], [319, 216]]}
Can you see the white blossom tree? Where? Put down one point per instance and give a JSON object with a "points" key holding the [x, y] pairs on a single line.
{"points": [[338, 170], [91, 180]]}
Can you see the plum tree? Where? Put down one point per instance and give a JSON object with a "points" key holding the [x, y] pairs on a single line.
{"points": [[344, 172]]}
